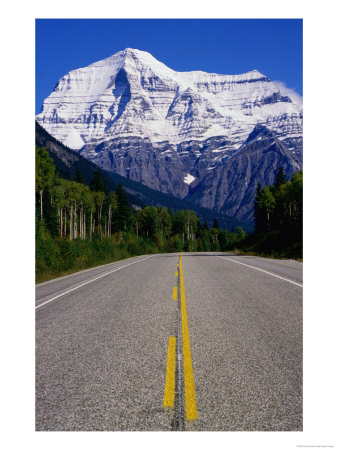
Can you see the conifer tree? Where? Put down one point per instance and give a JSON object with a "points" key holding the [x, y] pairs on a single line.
{"points": [[98, 183], [215, 224], [280, 178], [124, 210], [258, 213], [79, 176]]}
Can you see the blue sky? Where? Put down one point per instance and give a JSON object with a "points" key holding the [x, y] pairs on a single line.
{"points": [[228, 46]]}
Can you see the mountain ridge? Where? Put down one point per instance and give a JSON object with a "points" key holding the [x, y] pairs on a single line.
{"points": [[67, 161], [132, 115]]}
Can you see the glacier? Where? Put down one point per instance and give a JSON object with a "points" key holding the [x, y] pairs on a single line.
{"points": [[131, 93], [132, 114]]}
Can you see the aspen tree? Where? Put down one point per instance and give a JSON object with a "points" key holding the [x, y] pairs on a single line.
{"points": [[44, 174]]}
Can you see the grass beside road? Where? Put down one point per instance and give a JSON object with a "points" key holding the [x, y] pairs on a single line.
{"points": [[56, 258], [50, 274]]}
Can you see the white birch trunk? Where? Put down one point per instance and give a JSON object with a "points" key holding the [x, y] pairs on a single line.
{"points": [[84, 225], [71, 229], [41, 191], [75, 221], [91, 225]]}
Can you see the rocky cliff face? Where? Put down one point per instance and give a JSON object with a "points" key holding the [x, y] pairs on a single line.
{"points": [[68, 162], [172, 131], [232, 186]]}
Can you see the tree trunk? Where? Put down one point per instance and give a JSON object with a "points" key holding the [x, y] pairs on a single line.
{"points": [[99, 221], [109, 221], [84, 225], [75, 221], [61, 222], [91, 225], [71, 226], [268, 221], [41, 191], [80, 223]]}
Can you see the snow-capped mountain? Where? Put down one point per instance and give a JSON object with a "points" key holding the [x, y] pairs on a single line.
{"points": [[170, 130]]}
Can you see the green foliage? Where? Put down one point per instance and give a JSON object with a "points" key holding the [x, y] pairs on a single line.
{"points": [[44, 181], [280, 178], [215, 224], [82, 227], [124, 210], [98, 183], [79, 177], [44, 170], [278, 219], [68, 161]]}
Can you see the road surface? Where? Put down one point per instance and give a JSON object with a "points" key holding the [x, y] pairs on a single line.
{"points": [[209, 341]]}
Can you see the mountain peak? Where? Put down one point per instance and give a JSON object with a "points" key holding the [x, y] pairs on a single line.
{"points": [[260, 132], [133, 53], [133, 115], [131, 93]]}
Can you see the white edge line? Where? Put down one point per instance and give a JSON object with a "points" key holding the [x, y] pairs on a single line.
{"points": [[261, 270], [113, 263], [90, 281]]}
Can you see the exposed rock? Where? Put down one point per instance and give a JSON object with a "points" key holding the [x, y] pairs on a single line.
{"points": [[133, 115], [231, 187]]}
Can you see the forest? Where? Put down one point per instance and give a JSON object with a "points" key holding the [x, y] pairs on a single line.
{"points": [[79, 226], [278, 219], [68, 163]]}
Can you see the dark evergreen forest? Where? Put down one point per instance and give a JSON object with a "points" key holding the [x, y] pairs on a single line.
{"points": [[278, 219]]}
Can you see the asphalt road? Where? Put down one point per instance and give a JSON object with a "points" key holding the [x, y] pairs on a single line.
{"points": [[104, 362]]}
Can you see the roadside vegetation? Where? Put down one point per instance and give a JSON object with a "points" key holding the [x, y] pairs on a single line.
{"points": [[79, 226], [278, 220]]}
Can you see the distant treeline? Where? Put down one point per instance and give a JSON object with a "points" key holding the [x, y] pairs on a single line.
{"points": [[79, 226], [278, 219]]}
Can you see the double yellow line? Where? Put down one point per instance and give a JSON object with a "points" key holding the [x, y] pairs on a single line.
{"points": [[169, 391]]}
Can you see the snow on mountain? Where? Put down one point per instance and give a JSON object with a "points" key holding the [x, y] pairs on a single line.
{"points": [[188, 179], [73, 139], [133, 115], [133, 94]]}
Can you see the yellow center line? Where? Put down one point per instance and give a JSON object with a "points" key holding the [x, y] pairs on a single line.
{"points": [[190, 395], [176, 273], [175, 293], [169, 390]]}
